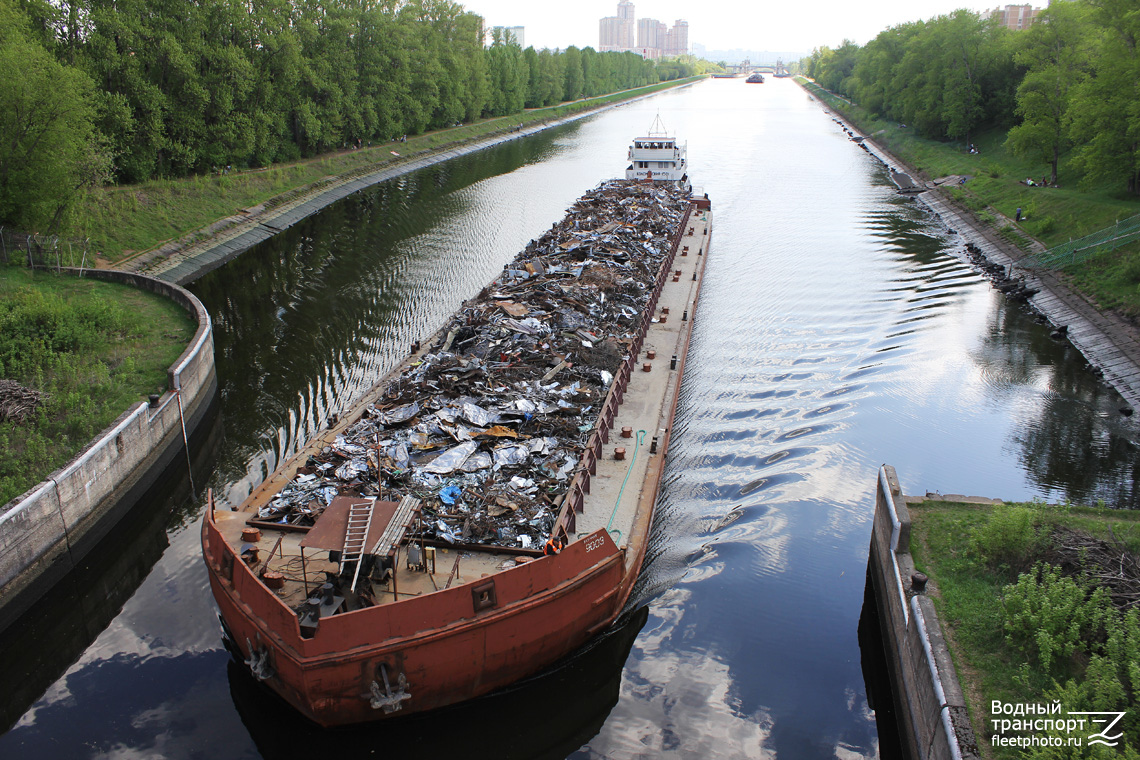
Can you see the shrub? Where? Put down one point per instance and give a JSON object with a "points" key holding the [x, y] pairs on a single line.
{"points": [[1046, 225], [1050, 616], [1011, 538]]}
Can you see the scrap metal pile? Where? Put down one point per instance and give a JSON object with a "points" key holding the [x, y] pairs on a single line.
{"points": [[488, 427]]}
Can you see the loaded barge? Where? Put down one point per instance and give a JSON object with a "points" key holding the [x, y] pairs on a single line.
{"points": [[484, 510]]}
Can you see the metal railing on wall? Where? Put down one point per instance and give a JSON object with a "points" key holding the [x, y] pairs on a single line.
{"points": [[1082, 249], [44, 250]]}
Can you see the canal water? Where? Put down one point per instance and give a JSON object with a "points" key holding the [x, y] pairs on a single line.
{"points": [[839, 329]]}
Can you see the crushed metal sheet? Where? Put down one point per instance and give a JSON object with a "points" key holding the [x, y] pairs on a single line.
{"points": [[489, 424]]}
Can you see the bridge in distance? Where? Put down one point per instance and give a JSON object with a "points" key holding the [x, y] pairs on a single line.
{"points": [[779, 68]]}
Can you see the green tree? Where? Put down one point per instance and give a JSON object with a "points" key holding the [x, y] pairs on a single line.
{"points": [[835, 68], [551, 86], [572, 88], [1056, 54], [1105, 112], [974, 50], [49, 149], [508, 74]]}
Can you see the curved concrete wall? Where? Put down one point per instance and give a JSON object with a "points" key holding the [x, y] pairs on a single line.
{"points": [[46, 531]]}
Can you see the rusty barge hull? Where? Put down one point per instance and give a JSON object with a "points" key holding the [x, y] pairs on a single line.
{"points": [[427, 648], [434, 647]]}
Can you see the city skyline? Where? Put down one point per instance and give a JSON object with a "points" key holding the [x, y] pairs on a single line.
{"points": [[645, 36], [721, 25]]}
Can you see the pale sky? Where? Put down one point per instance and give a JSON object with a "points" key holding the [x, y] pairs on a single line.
{"points": [[722, 24]]}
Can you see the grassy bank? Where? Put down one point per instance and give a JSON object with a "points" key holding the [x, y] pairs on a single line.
{"points": [[1052, 215], [121, 221], [94, 348], [1021, 632]]}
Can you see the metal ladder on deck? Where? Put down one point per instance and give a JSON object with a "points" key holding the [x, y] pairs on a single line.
{"points": [[356, 535]]}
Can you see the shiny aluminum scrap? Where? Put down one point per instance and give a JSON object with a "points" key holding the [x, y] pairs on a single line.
{"points": [[488, 427]]}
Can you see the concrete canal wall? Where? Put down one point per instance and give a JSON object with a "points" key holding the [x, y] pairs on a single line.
{"points": [[46, 532], [931, 710]]}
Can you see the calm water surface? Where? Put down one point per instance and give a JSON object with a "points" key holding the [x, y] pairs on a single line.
{"points": [[839, 330]]}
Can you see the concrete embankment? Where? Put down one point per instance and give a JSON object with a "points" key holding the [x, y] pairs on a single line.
{"points": [[47, 531], [1108, 341], [183, 261], [931, 709]]}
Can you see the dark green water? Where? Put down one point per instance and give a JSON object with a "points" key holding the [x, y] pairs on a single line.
{"points": [[839, 329]]}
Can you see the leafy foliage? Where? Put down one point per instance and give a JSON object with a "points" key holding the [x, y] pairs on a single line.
{"points": [[1057, 633], [1011, 538], [1066, 83], [1089, 648], [51, 150], [1050, 616], [176, 88]]}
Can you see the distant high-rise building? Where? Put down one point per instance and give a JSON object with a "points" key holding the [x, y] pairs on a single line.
{"points": [[654, 39], [650, 37], [677, 40], [1016, 17], [615, 33]]}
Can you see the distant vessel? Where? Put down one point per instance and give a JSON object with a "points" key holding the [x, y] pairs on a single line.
{"points": [[756, 78], [724, 76], [657, 157]]}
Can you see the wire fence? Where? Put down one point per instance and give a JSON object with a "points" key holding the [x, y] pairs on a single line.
{"points": [[44, 250], [1082, 249]]}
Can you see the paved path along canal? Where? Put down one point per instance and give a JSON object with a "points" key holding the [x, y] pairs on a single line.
{"points": [[839, 327]]}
